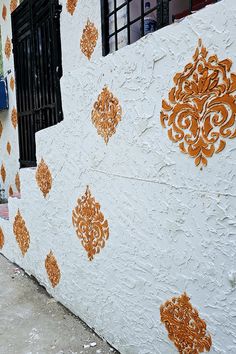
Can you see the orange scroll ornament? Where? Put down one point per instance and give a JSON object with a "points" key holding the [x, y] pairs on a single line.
{"points": [[52, 269]]}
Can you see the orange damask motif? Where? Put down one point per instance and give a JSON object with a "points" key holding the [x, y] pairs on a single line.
{"points": [[185, 328], [91, 227], [1, 129], [71, 6], [17, 182], [4, 12], [44, 178], [89, 39], [1, 239], [12, 83], [10, 191], [201, 111], [14, 117], [106, 114], [9, 148], [52, 269], [8, 48], [21, 233], [3, 173], [13, 5]]}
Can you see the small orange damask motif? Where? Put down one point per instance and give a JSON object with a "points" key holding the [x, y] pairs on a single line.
{"points": [[185, 328], [71, 6], [44, 178], [9, 148], [17, 182], [13, 5], [8, 48], [1, 129], [12, 83], [89, 39], [91, 227], [14, 117], [106, 114], [52, 269], [10, 191], [3, 173], [21, 233], [4, 12], [1, 239], [201, 111]]}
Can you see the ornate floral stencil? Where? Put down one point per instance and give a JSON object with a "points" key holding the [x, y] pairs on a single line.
{"points": [[71, 6], [3, 173], [44, 178], [9, 148], [1, 129], [17, 182], [1, 238], [106, 114], [184, 326], [21, 233], [4, 12], [91, 227], [14, 117], [13, 5], [52, 269], [8, 48], [12, 83], [201, 110], [89, 39], [10, 191]]}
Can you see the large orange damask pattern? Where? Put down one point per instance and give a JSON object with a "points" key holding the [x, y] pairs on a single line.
{"points": [[44, 178], [14, 117], [91, 227], [185, 328], [89, 39], [17, 182], [71, 6], [106, 114], [201, 111], [13, 5], [21, 233], [4, 12], [3, 173], [8, 48]]}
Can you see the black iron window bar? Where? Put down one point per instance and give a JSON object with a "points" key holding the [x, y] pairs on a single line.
{"points": [[161, 9]]}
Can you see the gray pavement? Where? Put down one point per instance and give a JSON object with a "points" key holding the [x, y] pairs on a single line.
{"points": [[31, 322]]}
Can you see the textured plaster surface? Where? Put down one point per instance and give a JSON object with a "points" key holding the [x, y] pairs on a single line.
{"points": [[172, 226], [33, 323]]}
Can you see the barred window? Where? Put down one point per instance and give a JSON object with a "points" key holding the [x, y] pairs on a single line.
{"points": [[125, 21]]}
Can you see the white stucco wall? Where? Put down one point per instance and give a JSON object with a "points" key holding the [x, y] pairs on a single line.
{"points": [[172, 226]]}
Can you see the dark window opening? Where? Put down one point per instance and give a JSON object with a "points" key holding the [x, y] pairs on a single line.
{"points": [[38, 69], [125, 21]]}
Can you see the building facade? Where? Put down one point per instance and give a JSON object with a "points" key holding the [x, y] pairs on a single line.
{"points": [[128, 217]]}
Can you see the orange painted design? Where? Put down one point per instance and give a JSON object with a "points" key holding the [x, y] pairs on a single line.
{"points": [[184, 326], [44, 178], [14, 117], [12, 83], [10, 192], [21, 233], [13, 5], [106, 114], [2, 239], [9, 148], [91, 227], [201, 111], [3, 173], [52, 269], [4, 12], [1, 129], [8, 48], [71, 6], [89, 39], [17, 182]]}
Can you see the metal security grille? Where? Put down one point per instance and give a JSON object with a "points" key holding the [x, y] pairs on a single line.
{"points": [[113, 10], [38, 69]]}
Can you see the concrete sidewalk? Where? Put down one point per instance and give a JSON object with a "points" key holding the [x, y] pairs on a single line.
{"points": [[33, 323]]}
